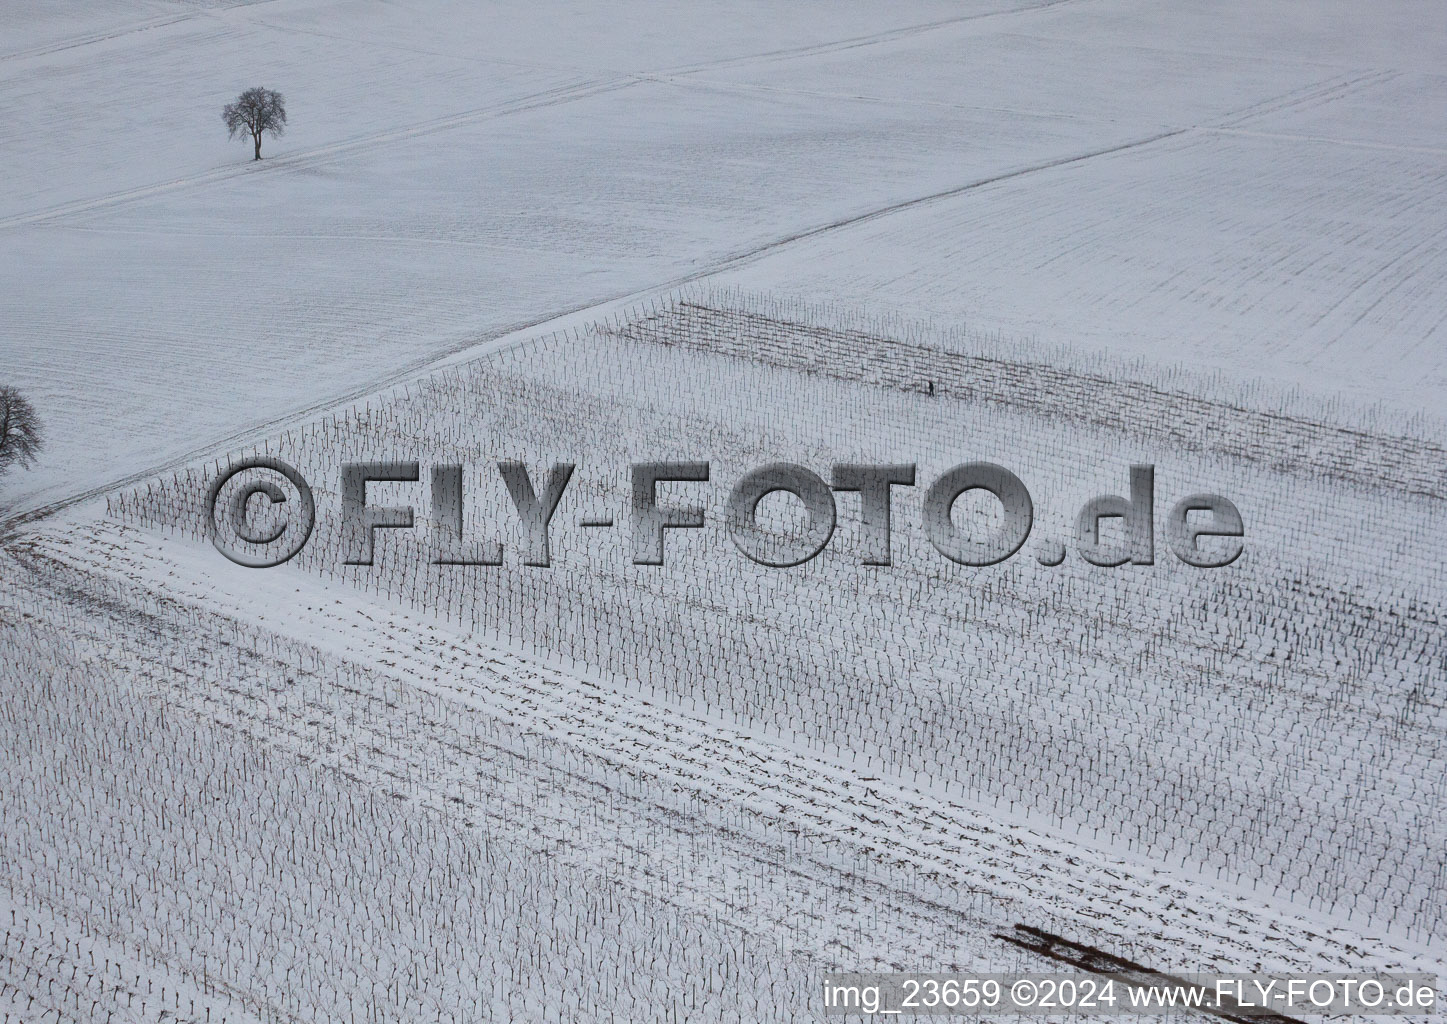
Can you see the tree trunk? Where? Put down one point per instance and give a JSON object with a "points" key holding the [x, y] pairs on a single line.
{"points": [[257, 140]]}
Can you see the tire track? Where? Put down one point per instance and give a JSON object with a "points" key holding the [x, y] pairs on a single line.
{"points": [[743, 258], [871, 39], [1322, 92], [90, 39], [120, 32], [1328, 140]]}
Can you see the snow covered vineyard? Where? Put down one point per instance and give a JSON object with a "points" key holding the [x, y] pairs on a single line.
{"points": [[547, 709], [606, 791]]}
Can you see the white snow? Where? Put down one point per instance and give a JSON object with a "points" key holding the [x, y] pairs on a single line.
{"points": [[449, 174], [607, 792]]}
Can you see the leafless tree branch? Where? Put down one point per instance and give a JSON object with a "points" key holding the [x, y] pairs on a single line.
{"points": [[256, 112], [21, 437]]}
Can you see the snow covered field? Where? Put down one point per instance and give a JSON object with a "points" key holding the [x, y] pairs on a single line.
{"points": [[1061, 235], [871, 768], [451, 174]]}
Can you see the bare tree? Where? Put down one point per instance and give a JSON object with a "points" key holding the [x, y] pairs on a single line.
{"points": [[256, 112], [20, 435]]}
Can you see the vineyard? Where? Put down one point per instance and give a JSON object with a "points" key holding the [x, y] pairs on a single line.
{"points": [[835, 765], [1272, 725], [199, 874], [395, 627]]}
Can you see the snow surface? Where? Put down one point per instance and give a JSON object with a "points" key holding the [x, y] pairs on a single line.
{"points": [[451, 174], [604, 793]]}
